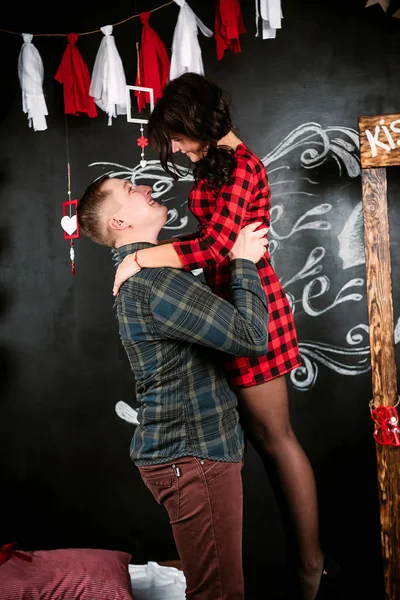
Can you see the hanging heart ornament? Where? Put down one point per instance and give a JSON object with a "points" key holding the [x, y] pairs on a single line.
{"points": [[69, 224]]}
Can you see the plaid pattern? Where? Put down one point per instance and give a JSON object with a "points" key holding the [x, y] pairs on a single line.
{"points": [[245, 198], [187, 407]]}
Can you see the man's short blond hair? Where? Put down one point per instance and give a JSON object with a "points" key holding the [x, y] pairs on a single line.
{"points": [[89, 213]]}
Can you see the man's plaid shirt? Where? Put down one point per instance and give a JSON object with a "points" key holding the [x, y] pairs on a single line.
{"points": [[166, 317]]}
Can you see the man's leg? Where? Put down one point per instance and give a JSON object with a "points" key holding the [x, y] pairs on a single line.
{"points": [[204, 501]]}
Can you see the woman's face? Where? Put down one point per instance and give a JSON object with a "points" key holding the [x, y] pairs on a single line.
{"points": [[193, 149]]}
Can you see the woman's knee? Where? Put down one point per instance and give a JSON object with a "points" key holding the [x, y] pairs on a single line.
{"points": [[270, 438], [265, 414]]}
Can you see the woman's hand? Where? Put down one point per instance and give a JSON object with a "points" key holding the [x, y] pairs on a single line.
{"points": [[126, 269], [250, 244]]}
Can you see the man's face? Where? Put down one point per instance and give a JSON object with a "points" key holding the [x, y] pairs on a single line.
{"points": [[193, 149], [135, 206]]}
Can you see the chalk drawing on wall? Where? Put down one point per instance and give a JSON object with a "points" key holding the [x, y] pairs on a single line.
{"points": [[293, 168], [351, 239]]}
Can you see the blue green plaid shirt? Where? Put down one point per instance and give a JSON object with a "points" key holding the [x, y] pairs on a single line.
{"points": [[173, 329]]}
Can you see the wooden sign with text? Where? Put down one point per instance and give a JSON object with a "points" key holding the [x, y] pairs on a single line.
{"points": [[379, 141], [380, 148]]}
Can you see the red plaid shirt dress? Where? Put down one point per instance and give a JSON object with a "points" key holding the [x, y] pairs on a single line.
{"points": [[244, 198]]}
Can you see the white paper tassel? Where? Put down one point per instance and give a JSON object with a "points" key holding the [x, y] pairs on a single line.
{"points": [[30, 73], [108, 84], [270, 12], [186, 51]]}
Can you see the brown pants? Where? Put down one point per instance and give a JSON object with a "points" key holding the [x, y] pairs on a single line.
{"points": [[203, 499]]}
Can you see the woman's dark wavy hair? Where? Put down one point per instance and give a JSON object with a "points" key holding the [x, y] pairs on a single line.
{"points": [[193, 106]]}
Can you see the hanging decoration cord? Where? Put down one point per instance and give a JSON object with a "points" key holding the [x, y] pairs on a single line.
{"points": [[68, 163], [89, 32], [73, 232], [373, 407], [71, 243], [138, 65]]}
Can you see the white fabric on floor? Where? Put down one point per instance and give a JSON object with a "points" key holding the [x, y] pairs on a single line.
{"points": [[154, 582]]}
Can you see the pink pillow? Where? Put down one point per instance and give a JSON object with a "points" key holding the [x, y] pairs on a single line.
{"points": [[67, 574]]}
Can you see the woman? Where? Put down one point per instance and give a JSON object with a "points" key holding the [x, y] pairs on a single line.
{"points": [[231, 190]]}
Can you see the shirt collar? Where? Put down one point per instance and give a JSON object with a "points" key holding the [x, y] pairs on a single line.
{"points": [[130, 248]]}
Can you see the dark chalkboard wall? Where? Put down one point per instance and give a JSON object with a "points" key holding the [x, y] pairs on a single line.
{"points": [[66, 476]]}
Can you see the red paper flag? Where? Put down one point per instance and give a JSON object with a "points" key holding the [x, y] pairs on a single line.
{"points": [[153, 64], [229, 26], [74, 75]]}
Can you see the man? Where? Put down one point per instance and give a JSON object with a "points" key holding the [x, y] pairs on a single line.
{"points": [[189, 443]]}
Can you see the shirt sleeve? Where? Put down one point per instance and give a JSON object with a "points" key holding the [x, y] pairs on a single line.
{"points": [[187, 310], [188, 237], [218, 237]]}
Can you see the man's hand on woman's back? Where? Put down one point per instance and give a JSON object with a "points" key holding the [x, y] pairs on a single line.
{"points": [[250, 244]]}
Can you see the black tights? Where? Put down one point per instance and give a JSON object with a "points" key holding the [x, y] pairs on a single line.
{"points": [[265, 416]]}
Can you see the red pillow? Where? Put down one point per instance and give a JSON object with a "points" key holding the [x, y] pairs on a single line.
{"points": [[67, 574]]}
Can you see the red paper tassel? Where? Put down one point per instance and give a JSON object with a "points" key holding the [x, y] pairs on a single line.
{"points": [[229, 26], [74, 75], [154, 64]]}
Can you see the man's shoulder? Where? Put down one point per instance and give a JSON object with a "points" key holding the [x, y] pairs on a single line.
{"points": [[168, 278], [157, 279], [157, 287]]}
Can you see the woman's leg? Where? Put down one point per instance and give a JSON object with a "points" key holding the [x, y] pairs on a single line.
{"points": [[265, 417]]}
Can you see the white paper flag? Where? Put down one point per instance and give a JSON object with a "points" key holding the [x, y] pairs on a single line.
{"points": [[186, 51], [384, 4], [270, 12], [30, 73], [108, 84]]}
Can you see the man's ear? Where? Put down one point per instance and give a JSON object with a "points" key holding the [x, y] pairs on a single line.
{"points": [[117, 224]]}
